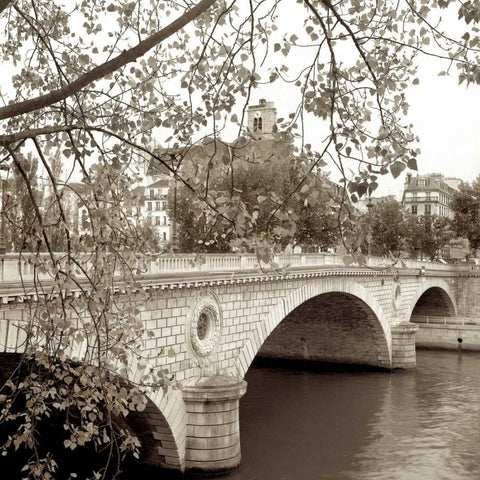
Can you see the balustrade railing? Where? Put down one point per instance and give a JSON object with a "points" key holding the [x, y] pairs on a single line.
{"points": [[439, 320], [15, 268]]}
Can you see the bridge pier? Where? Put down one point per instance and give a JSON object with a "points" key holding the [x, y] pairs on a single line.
{"points": [[213, 429], [403, 345]]}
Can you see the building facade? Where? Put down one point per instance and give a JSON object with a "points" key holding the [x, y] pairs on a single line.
{"points": [[432, 194], [155, 208], [429, 194]]}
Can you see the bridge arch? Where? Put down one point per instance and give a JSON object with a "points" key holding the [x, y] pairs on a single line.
{"points": [[434, 297], [322, 291], [160, 427]]}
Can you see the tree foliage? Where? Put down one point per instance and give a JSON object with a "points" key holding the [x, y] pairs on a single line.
{"points": [[466, 208], [387, 228], [97, 80], [268, 183], [426, 235], [394, 232]]}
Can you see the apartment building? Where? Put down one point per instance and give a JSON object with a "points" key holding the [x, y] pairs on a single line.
{"points": [[429, 194]]}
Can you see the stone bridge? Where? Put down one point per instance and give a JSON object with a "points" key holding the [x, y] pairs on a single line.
{"points": [[221, 313]]}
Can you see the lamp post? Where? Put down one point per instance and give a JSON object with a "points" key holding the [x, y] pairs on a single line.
{"points": [[175, 248], [369, 234], [4, 169]]}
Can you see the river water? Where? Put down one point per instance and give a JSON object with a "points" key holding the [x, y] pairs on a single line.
{"points": [[315, 423], [318, 422]]}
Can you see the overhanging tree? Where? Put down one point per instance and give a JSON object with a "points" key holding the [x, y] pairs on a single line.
{"points": [[98, 80]]}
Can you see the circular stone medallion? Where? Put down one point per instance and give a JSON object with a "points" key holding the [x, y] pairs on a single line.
{"points": [[204, 325]]}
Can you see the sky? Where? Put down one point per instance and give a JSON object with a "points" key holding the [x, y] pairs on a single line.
{"points": [[445, 116]]}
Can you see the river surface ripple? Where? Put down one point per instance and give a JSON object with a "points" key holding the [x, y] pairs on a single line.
{"points": [[314, 423]]}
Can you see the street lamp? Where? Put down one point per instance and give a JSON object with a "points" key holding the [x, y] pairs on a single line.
{"points": [[174, 246], [369, 234], [4, 169]]}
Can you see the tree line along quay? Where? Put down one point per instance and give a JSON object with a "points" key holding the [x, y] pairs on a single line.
{"points": [[436, 217], [131, 129]]}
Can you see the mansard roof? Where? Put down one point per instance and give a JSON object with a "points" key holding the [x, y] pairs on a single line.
{"points": [[162, 183], [429, 183]]}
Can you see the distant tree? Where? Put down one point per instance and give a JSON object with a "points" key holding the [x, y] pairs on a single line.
{"points": [[387, 228], [317, 222], [466, 208], [197, 230], [148, 238], [266, 183], [437, 233], [413, 235], [22, 226], [426, 235], [53, 196]]}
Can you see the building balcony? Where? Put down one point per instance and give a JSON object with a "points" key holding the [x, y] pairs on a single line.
{"points": [[422, 199], [157, 196]]}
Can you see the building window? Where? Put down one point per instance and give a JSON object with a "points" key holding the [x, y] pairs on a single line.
{"points": [[164, 236], [149, 206], [422, 183], [427, 194], [152, 193], [157, 220], [157, 206], [414, 209], [164, 220], [257, 124], [428, 209]]}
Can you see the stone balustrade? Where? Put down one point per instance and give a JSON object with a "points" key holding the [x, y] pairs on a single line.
{"points": [[21, 268]]}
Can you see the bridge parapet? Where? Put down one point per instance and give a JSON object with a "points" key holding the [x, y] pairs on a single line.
{"points": [[23, 268]]}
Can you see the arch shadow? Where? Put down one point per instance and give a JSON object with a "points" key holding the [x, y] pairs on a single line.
{"points": [[160, 427], [322, 292], [434, 298]]}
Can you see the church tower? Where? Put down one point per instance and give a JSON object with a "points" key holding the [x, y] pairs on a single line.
{"points": [[262, 118]]}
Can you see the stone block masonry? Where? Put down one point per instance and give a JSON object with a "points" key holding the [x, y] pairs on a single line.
{"points": [[213, 432], [449, 337]]}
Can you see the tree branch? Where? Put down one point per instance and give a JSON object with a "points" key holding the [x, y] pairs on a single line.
{"points": [[35, 132], [106, 68]]}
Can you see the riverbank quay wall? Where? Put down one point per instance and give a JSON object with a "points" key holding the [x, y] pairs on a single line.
{"points": [[222, 313], [458, 337], [460, 332]]}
